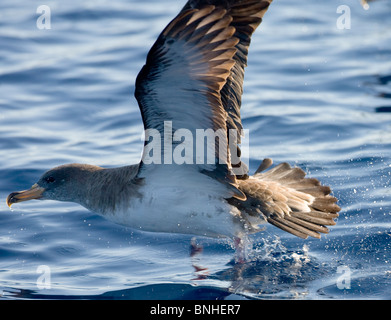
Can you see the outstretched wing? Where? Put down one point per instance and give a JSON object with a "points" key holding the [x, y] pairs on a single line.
{"points": [[193, 76], [246, 17]]}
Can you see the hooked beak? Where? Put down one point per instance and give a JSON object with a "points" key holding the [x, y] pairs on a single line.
{"points": [[34, 193]]}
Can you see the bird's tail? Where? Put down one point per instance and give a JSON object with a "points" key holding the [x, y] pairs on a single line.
{"points": [[285, 198]]}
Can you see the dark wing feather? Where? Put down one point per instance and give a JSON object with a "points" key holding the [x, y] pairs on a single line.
{"points": [[193, 75], [287, 199], [246, 17], [182, 78]]}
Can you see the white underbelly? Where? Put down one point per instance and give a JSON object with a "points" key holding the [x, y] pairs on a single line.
{"points": [[197, 208]]}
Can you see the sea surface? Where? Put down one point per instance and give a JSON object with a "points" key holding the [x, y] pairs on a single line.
{"points": [[317, 94]]}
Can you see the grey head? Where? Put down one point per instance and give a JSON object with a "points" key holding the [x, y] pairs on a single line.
{"points": [[64, 183]]}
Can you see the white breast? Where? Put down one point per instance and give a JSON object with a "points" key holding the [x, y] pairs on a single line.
{"points": [[181, 201]]}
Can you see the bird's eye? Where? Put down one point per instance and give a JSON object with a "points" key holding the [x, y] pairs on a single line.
{"points": [[50, 179]]}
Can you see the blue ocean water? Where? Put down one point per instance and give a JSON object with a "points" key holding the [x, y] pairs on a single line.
{"points": [[316, 95]]}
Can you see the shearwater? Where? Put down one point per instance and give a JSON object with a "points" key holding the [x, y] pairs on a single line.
{"points": [[193, 77]]}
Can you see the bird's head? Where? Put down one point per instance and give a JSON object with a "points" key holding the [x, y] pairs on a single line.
{"points": [[63, 183]]}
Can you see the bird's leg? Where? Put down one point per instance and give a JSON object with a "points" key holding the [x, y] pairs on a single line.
{"points": [[195, 249], [240, 245]]}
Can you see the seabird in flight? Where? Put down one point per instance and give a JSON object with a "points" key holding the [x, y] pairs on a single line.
{"points": [[192, 83]]}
